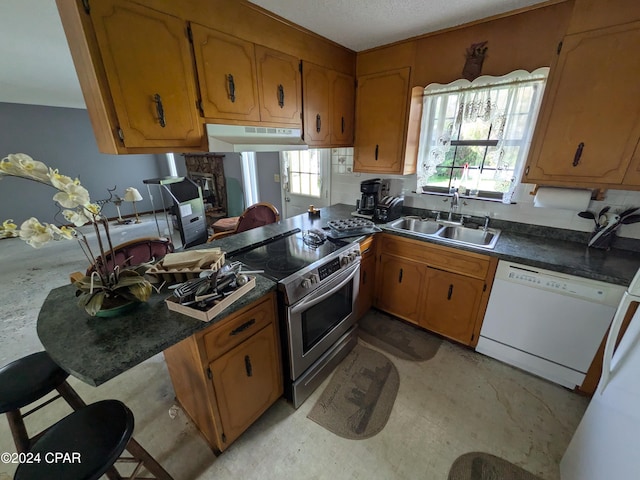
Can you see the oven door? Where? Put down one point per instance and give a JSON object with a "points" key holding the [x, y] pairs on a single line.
{"points": [[317, 322]]}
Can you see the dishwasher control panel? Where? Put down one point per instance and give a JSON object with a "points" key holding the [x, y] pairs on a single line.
{"points": [[560, 285]]}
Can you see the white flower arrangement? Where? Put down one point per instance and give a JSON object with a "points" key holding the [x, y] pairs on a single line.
{"points": [[105, 282]]}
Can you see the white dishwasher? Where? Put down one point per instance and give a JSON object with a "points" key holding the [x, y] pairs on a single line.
{"points": [[547, 323]]}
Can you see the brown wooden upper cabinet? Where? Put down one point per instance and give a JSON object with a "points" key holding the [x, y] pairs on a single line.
{"points": [[344, 104], [147, 62], [328, 106], [227, 76], [279, 87], [589, 124], [381, 126]]}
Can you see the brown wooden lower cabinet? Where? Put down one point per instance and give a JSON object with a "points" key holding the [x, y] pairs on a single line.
{"points": [[439, 288], [367, 276], [229, 374], [400, 284], [452, 303]]}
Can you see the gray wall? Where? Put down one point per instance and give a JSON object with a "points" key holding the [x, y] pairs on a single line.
{"points": [[63, 138]]}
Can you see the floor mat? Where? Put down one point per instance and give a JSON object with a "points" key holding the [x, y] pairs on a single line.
{"points": [[483, 466], [358, 400], [397, 338]]}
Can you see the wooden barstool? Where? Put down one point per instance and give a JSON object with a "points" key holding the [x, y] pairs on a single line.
{"points": [[25, 381], [86, 444]]}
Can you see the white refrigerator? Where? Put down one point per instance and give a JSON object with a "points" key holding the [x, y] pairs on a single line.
{"points": [[606, 445]]}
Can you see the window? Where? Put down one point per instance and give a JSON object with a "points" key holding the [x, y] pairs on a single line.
{"points": [[303, 170], [475, 135]]}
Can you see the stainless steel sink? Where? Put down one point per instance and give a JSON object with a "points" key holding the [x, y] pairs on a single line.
{"points": [[461, 234], [416, 225], [456, 234]]}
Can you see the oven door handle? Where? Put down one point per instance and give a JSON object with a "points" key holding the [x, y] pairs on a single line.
{"points": [[304, 304]]}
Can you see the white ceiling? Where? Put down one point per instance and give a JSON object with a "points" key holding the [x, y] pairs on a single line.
{"points": [[36, 66]]}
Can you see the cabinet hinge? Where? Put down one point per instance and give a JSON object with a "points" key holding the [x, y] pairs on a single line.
{"points": [[200, 107], [121, 135], [473, 335], [209, 374], [87, 8], [189, 33], [224, 438], [559, 48], [526, 171], [484, 289]]}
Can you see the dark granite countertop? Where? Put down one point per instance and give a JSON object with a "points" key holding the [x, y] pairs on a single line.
{"points": [[553, 249], [97, 349]]}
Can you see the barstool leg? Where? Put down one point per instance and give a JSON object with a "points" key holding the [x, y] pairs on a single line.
{"points": [[70, 395], [148, 461], [18, 431]]}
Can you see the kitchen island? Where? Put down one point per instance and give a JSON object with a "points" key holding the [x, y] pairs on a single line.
{"points": [[98, 349]]}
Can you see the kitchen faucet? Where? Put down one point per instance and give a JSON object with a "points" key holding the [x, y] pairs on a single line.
{"points": [[454, 204]]}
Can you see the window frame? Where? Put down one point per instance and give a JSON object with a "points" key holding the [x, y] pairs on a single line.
{"points": [[440, 133]]}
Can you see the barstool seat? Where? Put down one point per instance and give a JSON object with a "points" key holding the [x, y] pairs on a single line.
{"points": [[28, 379], [87, 443], [25, 381]]}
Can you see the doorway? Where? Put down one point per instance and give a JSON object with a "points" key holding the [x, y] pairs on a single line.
{"points": [[305, 177]]}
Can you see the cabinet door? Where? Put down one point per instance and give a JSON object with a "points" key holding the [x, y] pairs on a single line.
{"points": [[590, 122], [317, 104], [148, 64], [400, 284], [632, 177], [279, 87], [247, 380], [381, 106], [226, 75], [451, 304], [344, 96]]}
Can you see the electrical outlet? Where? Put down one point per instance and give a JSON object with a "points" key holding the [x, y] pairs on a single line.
{"points": [[276, 177]]}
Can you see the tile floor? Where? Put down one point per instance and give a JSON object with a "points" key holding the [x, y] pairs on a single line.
{"points": [[457, 402]]}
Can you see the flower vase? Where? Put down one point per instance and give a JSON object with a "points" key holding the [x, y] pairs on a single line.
{"points": [[116, 306]]}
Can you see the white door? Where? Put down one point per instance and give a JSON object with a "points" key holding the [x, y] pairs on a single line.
{"points": [[306, 180]]}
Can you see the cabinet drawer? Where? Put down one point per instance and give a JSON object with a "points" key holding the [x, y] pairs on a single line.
{"points": [[450, 259], [235, 330], [368, 247]]}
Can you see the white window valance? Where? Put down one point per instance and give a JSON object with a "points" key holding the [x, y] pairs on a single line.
{"points": [[500, 101]]}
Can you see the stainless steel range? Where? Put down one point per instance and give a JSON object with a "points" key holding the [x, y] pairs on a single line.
{"points": [[318, 280]]}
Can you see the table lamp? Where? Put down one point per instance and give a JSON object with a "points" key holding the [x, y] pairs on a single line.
{"points": [[133, 195]]}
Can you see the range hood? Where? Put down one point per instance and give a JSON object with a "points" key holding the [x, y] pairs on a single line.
{"points": [[236, 138]]}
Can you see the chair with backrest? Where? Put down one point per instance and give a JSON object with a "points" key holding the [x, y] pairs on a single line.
{"points": [[132, 253], [135, 252], [257, 215]]}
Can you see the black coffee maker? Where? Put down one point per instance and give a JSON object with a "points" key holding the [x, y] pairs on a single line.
{"points": [[370, 190]]}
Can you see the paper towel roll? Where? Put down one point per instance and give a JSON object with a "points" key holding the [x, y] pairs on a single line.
{"points": [[565, 198]]}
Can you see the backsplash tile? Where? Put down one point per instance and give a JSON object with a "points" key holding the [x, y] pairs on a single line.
{"points": [[345, 188]]}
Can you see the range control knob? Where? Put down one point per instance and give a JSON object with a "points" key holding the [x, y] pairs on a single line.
{"points": [[306, 283], [315, 278], [344, 260]]}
